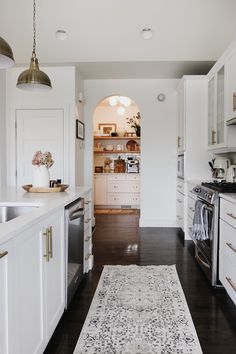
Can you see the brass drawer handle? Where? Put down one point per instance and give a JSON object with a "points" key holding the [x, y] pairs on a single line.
{"points": [[88, 201], [231, 283], [87, 258], [213, 137], [190, 208], [47, 255], [179, 200], [3, 254], [234, 101], [231, 246], [88, 238], [87, 220], [50, 242], [231, 215]]}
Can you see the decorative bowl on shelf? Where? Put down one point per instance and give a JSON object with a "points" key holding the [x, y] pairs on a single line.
{"points": [[108, 147]]}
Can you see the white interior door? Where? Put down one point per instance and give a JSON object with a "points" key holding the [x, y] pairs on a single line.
{"points": [[39, 129]]}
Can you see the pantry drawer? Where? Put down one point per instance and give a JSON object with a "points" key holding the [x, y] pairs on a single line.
{"points": [[180, 186], [228, 241], [228, 212], [228, 277], [123, 186], [123, 199], [117, 177]]}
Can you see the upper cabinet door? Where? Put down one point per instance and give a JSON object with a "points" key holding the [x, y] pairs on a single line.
{"points": [[220, 124], [180, 119], [216, 98], [231, 87], [211, 112]]}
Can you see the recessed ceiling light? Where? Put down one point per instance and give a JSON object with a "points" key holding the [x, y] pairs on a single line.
{"points": [[61, 35], [146, 33]]}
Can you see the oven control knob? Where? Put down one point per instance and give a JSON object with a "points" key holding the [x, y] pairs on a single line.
{"points": [[197, 189], [209, 196]]}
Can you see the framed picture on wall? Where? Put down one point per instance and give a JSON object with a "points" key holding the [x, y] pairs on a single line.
{"points": [[79, 130], [107, 128]]}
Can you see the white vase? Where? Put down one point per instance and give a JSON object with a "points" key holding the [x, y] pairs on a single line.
{"points": [[41, 176]]}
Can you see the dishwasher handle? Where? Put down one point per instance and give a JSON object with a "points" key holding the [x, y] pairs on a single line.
{"points": [[76, 213]]}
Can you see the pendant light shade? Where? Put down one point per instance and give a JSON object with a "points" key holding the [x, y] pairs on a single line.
{"points": [[6, 55], [33, 78]]}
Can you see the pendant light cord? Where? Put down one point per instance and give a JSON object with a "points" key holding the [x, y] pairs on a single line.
{"points": [[34, 32]]}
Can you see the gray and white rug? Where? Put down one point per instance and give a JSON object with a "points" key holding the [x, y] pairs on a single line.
{"points": [[138, 309]]}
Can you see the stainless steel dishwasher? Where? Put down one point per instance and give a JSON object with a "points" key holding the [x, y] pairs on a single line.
{"points": [[74, 231]]}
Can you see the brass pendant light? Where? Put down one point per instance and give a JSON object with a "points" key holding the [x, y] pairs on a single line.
{"points": [[33, 78], [6, 55]]}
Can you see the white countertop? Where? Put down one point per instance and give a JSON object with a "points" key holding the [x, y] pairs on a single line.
{"points": [[231, 197], [46, 202]]}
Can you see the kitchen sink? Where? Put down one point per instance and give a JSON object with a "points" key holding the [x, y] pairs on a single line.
{"points": [[8, 213]]}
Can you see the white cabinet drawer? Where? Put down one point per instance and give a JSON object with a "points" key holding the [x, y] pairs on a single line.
{"points": [[133, 177], [180, 186], [123, 199], [191, 207], [180, 209], [189, 226], [117, 177], [228, 242], [228, 277], [123, 187], [228, 212]]}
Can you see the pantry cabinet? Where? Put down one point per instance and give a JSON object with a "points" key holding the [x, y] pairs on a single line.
{"points": [[117, 190], [230, 112]]}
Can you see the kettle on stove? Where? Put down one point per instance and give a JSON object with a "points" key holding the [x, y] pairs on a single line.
{"points": [[231, 174]]}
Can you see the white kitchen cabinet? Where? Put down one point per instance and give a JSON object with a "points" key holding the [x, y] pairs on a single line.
{"points": [[117, 190], [5, 296], [38, 284], [53, 271], [180, 204], [100, 187], [216, 98], [231, 87], [181, 118], [227, 249], [88, 242]]}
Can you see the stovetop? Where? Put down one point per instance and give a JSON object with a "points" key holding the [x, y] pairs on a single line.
{"points": [[221, 187]]}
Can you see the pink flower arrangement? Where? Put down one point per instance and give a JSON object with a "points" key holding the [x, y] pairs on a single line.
{"points": [[40, 159]]}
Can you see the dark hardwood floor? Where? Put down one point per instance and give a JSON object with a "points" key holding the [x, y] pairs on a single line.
{"points": [[118, 240]]}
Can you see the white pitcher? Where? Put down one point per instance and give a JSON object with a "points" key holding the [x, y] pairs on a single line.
{"points": [[41, 176]]}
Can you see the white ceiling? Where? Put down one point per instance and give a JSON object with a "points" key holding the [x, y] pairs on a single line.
{"points": [[103, 36]]}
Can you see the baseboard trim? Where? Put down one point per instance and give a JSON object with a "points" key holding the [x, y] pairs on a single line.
{"points": [[157, 223]]}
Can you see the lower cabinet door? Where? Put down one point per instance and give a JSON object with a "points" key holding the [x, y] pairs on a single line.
{"points": [[27, 318], [53, 271]]}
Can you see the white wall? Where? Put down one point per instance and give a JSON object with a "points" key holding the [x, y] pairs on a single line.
{"points": [[79, 144], [2, 128], [158, 149], [61, 96]]}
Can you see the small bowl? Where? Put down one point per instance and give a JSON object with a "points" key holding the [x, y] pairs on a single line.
{"points": [[109, 147]]}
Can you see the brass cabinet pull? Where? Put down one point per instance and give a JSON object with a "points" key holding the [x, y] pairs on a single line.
{"points": [[231, 246], [86, 258], [179, 200], [50, 242], [179, 141], [213, 137], [87, 220], [88, 201], [3, 254], [231, 215], [230, 281], [46, 233], [234, 101], [88, 238]]}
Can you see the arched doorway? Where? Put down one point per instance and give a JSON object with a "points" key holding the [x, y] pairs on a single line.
{"points": [[116, 158]]}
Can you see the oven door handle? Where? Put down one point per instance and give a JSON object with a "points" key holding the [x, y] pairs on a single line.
{"points": [[204, 263]]}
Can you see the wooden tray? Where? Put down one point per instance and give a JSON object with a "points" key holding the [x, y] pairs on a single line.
{"points": [[31, 189]]}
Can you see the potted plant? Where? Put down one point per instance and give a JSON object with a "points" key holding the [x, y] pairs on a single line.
{"points": [[134, 122], [41, 162]]}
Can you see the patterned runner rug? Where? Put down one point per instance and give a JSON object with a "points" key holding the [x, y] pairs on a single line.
{"points": [[138, 309]]}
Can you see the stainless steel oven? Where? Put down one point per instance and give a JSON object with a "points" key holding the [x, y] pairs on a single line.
{"points": [[206, 241], [206, 216]]}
